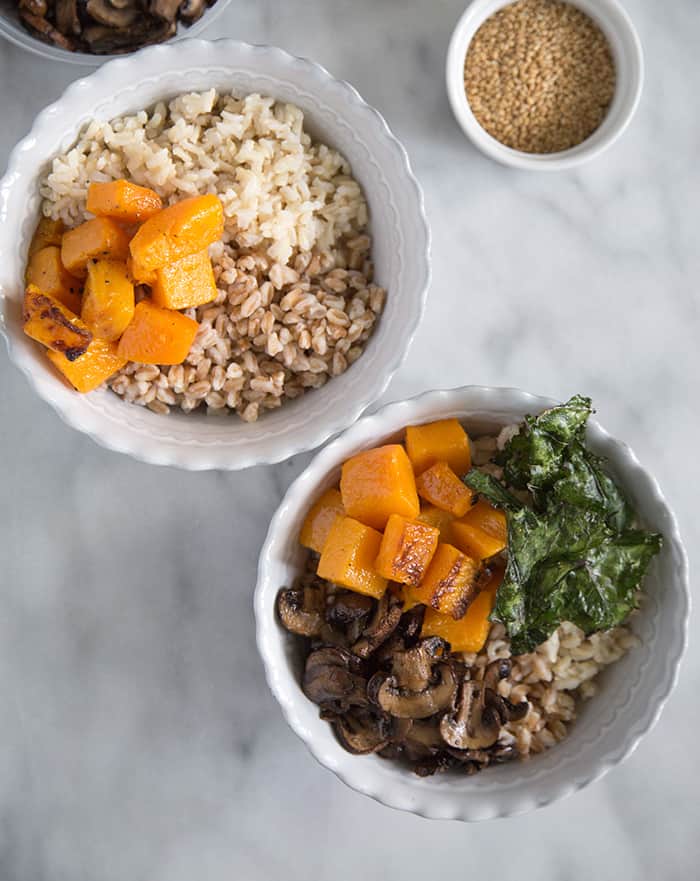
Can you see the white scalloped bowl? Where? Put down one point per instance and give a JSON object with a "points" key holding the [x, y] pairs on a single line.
{"points": [[337, 115], [610, 725]]}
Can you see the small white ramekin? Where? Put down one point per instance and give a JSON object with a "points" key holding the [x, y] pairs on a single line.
{"points": [[609, 726], [629, 64], [336, 114]]}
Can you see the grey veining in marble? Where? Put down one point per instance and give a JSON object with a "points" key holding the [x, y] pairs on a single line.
{"points": [[138, 739]]}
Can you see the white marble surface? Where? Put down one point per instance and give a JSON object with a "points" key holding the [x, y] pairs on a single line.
{"points": [[139, 740]]}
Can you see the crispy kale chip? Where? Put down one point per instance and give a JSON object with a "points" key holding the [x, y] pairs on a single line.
{"points": [[574, 555]]}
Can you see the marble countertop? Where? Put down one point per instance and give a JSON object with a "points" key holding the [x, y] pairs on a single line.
{"points": [[139, 740]]}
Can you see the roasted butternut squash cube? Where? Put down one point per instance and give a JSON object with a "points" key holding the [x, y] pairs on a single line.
{"points": [[122, 200], [185, 228], [91, 369], [441, 520], [186, 283], [97, 239], [348, 557], [108, 300], [406, 550], [482, 532], [157, 336], [50, 323], [138, 274], [319, 520], [47, 232], [470, 632], [440, 486], [443, 441], [378, 483], [449, 584], [46, 271]]}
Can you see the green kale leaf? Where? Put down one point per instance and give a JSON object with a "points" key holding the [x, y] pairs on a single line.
{"points": [[574, 555]]}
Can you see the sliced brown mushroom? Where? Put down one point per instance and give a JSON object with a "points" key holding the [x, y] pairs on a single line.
{"points": [[44, 30], [108, 13], [144, 31], [361, 732], [300, 609], [433, 698], [472, 725], [348, 613], [191, 10], [507, 711], [34, 7], [66, 16], [381, 625], [165, 9], [332, 679]]}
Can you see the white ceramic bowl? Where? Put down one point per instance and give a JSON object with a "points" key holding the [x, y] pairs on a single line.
{"points": [[12, 29], [336, 114], [633, 691], [629, 64]]}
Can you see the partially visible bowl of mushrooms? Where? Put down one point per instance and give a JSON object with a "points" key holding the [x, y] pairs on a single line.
{"points": [[402, 712], [92, 31]]}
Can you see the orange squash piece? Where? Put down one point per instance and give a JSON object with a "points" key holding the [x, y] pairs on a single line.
{"points": [[348, 557], [450, 582], [378, 483], [108, 301], [47, 232], [470, 632], [441, 520], [47, 272], [50, 323], [138, 274], [90, 370], [406, 550], [186, 283], [157, 336], [440, 486], [482, 532], [97, 239], [319, 520], [184, 228], [122, 200], [443, 441]]}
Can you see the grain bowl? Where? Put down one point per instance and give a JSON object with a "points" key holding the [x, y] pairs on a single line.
{"points": [[569, 740], [358, 168]]}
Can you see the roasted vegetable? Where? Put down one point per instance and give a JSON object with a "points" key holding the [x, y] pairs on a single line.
{"points": [[140, 275], [182, 229], [441, 520], [449, 584], [92, 368], [574, 557], [406, 550], [440, 486], [348, 557], [482, 532], [157, 336], [46, 271], [469, 633], [378, 483], [122, 200], [50, 323], [97, 239], [108, 300], [444, 441], [47, 232], [319, 520], [186, 283]]}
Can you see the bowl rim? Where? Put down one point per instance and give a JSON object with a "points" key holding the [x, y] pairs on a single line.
{"points": [[476, 12], [201, 456], [18, 36], [405, 794]]}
